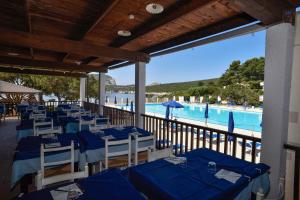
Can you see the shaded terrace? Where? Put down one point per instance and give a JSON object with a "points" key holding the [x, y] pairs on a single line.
{"points": [[67, 38]]}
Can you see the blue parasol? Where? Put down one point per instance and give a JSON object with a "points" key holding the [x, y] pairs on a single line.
{"points": [[131, 106], [206, 113], [127, 102], [172, 104], [167, 112], [230, 125]]}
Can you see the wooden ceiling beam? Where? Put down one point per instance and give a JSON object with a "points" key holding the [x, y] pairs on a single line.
{"points": [[172, 13], [40, 72], [18, 38], [90, 27], [28, 22], [266, 11], [175, 11], [49, 65], [216, 28]]}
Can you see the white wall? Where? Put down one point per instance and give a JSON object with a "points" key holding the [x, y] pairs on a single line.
{"points": [[294, 110], [294, 120], [277, 83]]}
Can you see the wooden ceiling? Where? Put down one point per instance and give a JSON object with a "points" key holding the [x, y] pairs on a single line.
{"points": [[79, 36]]}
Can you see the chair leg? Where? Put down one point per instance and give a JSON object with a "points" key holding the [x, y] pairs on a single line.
{"points": [[94, 168], [100, 166]]}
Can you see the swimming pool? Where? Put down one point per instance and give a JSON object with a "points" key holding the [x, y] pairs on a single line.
{"points": [[242, 119]]}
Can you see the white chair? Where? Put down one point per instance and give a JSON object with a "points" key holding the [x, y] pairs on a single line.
{"points": [[97, 127], [154, 154], [117, 158], [74, 114], [137, 146], [38, 116], [85, 113], [85, 122], [42, 180], [38, 130]]}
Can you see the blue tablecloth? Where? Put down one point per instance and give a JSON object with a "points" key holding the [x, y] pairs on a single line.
{"points": [[163, 180], [27, 157], [93, 145], [107, 185]]}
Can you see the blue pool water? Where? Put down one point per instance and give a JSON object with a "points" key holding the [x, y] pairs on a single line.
{"points": [[242, 119]]}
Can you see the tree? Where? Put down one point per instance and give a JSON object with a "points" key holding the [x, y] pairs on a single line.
{"points": [[61, 87]]}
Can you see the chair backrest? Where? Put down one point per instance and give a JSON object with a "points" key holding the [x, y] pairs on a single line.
{"points": [[154, 154], [43, 181], [73, 114], [111, 151], [86, 113], [37, 116], [99, 126], [139, 147], [85, 122], [45, 128]]}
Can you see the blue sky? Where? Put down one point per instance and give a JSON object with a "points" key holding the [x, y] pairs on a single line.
{"points": [[203, 62]]}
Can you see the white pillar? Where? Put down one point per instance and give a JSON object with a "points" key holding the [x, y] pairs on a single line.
{"points": [[140, 87], [82, 90], [278, 65], [101, 92]]}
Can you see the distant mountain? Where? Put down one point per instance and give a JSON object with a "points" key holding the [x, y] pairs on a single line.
{"points": [[165, 87], [108, 79]]}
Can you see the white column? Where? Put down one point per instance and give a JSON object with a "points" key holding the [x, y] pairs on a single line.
{"points": [[82, 90], [101, 92], [278, 65], [140, 87]]}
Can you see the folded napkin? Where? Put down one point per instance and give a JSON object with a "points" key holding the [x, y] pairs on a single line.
{"points": [[109, 137], [228, 175], [52, 145], [176, 160], [136, 133], [61, 193]]}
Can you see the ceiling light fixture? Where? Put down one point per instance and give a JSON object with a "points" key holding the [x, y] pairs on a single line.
{"points": [[124, 33], [154, 8], [131, 16], [12, 54]]}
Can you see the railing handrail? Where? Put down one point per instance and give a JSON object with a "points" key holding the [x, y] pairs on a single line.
{"points": [[127, 111], [206, 128]]}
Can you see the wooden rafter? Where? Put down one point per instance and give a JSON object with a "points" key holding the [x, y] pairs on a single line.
{"points": [[267, 11], [18, 38], [102, 13], [224, 25], [218, 27], [174, 12], [40, 72], [49, 65], [28, 22]]}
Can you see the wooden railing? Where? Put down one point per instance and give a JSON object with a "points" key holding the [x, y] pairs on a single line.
{"points": [[186, 137], [118, 116], [93, 107], [296, 149]]}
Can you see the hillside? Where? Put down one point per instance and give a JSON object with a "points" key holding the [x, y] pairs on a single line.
{"points": [[166, 87]]}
